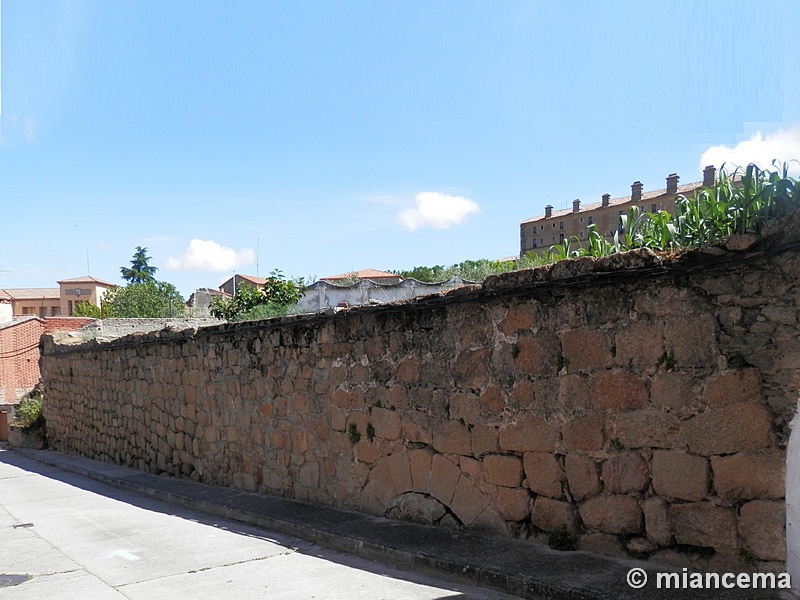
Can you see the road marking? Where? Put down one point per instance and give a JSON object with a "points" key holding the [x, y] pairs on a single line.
{"points": [[124, 554]]}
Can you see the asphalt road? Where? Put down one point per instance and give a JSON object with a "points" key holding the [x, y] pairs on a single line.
{"points": [[64, 536]]}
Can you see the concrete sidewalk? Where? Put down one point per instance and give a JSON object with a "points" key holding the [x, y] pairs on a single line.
{"points": [[508, 565]]}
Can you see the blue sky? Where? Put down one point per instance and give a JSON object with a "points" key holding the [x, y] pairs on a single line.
{"points": [[336, 136]]}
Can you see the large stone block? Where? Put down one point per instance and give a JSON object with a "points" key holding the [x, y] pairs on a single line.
{"points": [[748, 475], [484, 440], [639, 344], [544, 474], [420, 463], [703, 524], [677, 391], [387, 423], [551, 515], [468, 501], [528, 434], [617, 390], [582, 476], [646, 429], [625, 473], [693, 340], [612, 514], [733, 387], [680, 475], [470, 368], [513, 503], [729, 429], [502, 470], [536, 357], [762, 525], [444, 477], [656, 521], [586, 349], [586, 434], [519, 317], [451, 437]]}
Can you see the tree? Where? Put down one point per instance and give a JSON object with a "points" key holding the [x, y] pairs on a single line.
{"points": [[149, 300], [140, 271], [274, 298], [87, 309]]}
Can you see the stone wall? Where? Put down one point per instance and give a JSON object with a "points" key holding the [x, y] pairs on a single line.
{"points": [[640, 403]]}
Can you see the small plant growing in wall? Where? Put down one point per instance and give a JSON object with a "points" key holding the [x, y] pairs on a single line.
{"points": [[616, 445], [370, 431], [353, 434], [747, 557], [31, 411], [563, 363]]}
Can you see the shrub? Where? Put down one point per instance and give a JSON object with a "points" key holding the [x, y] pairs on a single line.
{"points": [[30, 411]]}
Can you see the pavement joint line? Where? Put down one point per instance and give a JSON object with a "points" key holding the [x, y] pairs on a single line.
{"points": [[512, 566]]}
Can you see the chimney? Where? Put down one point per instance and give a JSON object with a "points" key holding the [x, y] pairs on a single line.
{"points": [[672, 183], [636, 191], [576, 205], [548, 211], [709, 176], [606, 199]]}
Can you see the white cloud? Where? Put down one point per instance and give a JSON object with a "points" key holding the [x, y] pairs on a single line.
{"points": [[207, 255], [782, 145], [437, 211]]}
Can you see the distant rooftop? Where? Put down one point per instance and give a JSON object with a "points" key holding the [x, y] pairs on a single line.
{"points": [[30, 293], [682, 189], [87, 279]]}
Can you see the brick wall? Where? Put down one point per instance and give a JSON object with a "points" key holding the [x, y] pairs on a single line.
{"points": [[19, 358], [65, 324], [640, 403]]}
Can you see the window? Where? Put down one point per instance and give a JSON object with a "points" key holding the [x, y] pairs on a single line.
{"points": [[554, 239], [591, 220], [653, 208], [69, 308], [560, 237], [561, 224], [534, 243], [581, 234], [28, 310], [42, 311], [541, 228], [581, 220], [55, 311]]}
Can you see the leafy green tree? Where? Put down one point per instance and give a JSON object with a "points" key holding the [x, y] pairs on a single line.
{"points": [[277, 295], [87, 309], [148, 300], [432, 274], [140, 270]]}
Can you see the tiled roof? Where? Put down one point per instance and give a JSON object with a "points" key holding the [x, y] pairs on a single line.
{"points": [[364, 274], [682, 189], [87, 279], [32, 293], [253, 279]]}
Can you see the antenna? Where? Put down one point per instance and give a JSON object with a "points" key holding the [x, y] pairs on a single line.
{"points": [[257, 240], [87, 262]]}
